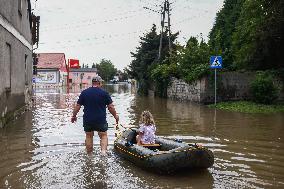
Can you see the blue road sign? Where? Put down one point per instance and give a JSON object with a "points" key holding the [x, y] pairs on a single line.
{"points": [[216, 62]]}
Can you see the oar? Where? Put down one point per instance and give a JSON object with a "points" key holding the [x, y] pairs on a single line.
{"points": [[116, 128], [127, 127]]}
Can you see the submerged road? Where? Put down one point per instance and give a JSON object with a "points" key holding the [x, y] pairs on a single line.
{"points": [[42, 149]]}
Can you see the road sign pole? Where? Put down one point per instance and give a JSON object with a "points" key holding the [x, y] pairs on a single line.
{"points": [[215, 63], [215, 86]]}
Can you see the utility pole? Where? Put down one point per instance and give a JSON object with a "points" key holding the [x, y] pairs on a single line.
{"points": [[165, 10], [162, 30], [169, 24]]}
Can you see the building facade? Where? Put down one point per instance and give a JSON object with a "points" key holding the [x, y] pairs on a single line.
{"points": [[51, 70], [82, 76], [16, 61]]}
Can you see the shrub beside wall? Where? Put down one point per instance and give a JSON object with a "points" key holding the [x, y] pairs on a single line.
{"points": [[263, 88]]}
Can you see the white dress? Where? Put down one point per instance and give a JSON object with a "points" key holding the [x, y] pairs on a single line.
{"points": [[148, 133]]}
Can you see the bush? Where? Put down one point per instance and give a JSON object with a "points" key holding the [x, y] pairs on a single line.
{"points": [[196, 72], [161, 76], [263, 89]]}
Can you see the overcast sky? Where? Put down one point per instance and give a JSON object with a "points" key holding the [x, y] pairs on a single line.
{"points": [[90, 30]]}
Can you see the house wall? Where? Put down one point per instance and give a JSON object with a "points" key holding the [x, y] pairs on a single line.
{"points": [[48, 76], [15, 58], [86, 78]]}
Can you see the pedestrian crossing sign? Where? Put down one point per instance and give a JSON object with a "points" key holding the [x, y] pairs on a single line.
{"points": [[216, 62]]}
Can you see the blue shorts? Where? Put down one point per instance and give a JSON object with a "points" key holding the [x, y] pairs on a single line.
{"points": [[95, 127]]}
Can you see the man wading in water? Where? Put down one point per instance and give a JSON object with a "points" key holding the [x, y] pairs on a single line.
{"points": [[95, 100]]}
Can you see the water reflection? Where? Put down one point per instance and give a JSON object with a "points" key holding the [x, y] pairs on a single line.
{"points": [[44, 150], [16, 146], [94, 173]]}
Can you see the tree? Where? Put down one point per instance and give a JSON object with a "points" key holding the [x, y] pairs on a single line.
{"points": [[93, 65], [145, 58], [106, 69], [124, 74], [220, 37], [193, 60], [259, 38], [249, 34]]}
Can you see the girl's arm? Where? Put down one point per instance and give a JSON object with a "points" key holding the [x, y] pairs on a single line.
{"points": [[138, 138]]}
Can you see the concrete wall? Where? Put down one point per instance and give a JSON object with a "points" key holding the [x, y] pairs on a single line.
{"points": [[179, 89], [15, 58], [230, 86]]}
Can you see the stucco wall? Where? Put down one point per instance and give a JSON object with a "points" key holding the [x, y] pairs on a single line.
{"points": [[17, 73], [86, 77], [9, 9], [230, 86]]}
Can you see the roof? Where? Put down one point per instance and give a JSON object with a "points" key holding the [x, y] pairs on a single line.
{"points": [[52, 60], [83, 70]]}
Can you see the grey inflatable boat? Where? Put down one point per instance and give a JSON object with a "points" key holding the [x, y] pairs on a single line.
{"points": [[165, 156]]}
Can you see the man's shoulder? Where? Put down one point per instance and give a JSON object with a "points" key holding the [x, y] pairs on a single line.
{"points": [[103, 91], [85, 90], [97, 90]]}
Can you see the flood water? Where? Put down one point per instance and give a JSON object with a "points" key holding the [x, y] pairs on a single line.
{"points": [[42, 149]]}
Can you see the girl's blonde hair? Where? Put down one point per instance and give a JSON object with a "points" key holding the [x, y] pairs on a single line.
{"points": [[147, 118]]}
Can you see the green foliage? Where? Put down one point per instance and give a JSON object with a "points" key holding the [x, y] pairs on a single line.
{"points": [[161, 76], [248, 107], [244, 39], [269, 45], [145, 59], [106, 69], [162, 72], [124, 74], [189, 63], [193, 60], [249, 34], [263, 89], [196, 72], [220, 37]]}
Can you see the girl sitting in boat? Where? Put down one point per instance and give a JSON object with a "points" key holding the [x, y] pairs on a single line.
{"points": [[147, 129]]}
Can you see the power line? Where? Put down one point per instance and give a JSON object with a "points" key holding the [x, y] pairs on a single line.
{"points": [[165, 15], [105, 42], [89, 23], [88, 39], [91, 20]]}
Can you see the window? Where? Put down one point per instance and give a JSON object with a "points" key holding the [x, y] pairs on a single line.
{"points": [[7, 67], [26, 71], [20, 7]]}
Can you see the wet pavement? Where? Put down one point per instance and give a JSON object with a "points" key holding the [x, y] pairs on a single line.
{"points": [[42, 149]]}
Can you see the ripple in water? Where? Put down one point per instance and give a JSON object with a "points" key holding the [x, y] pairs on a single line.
{"points": [[44, 150]]}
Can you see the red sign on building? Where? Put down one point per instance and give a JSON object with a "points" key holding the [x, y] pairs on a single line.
{"points": [[73, 63]]}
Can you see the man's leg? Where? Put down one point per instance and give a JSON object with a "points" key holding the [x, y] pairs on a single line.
{"points": [[89, 141], [103, 142]]}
